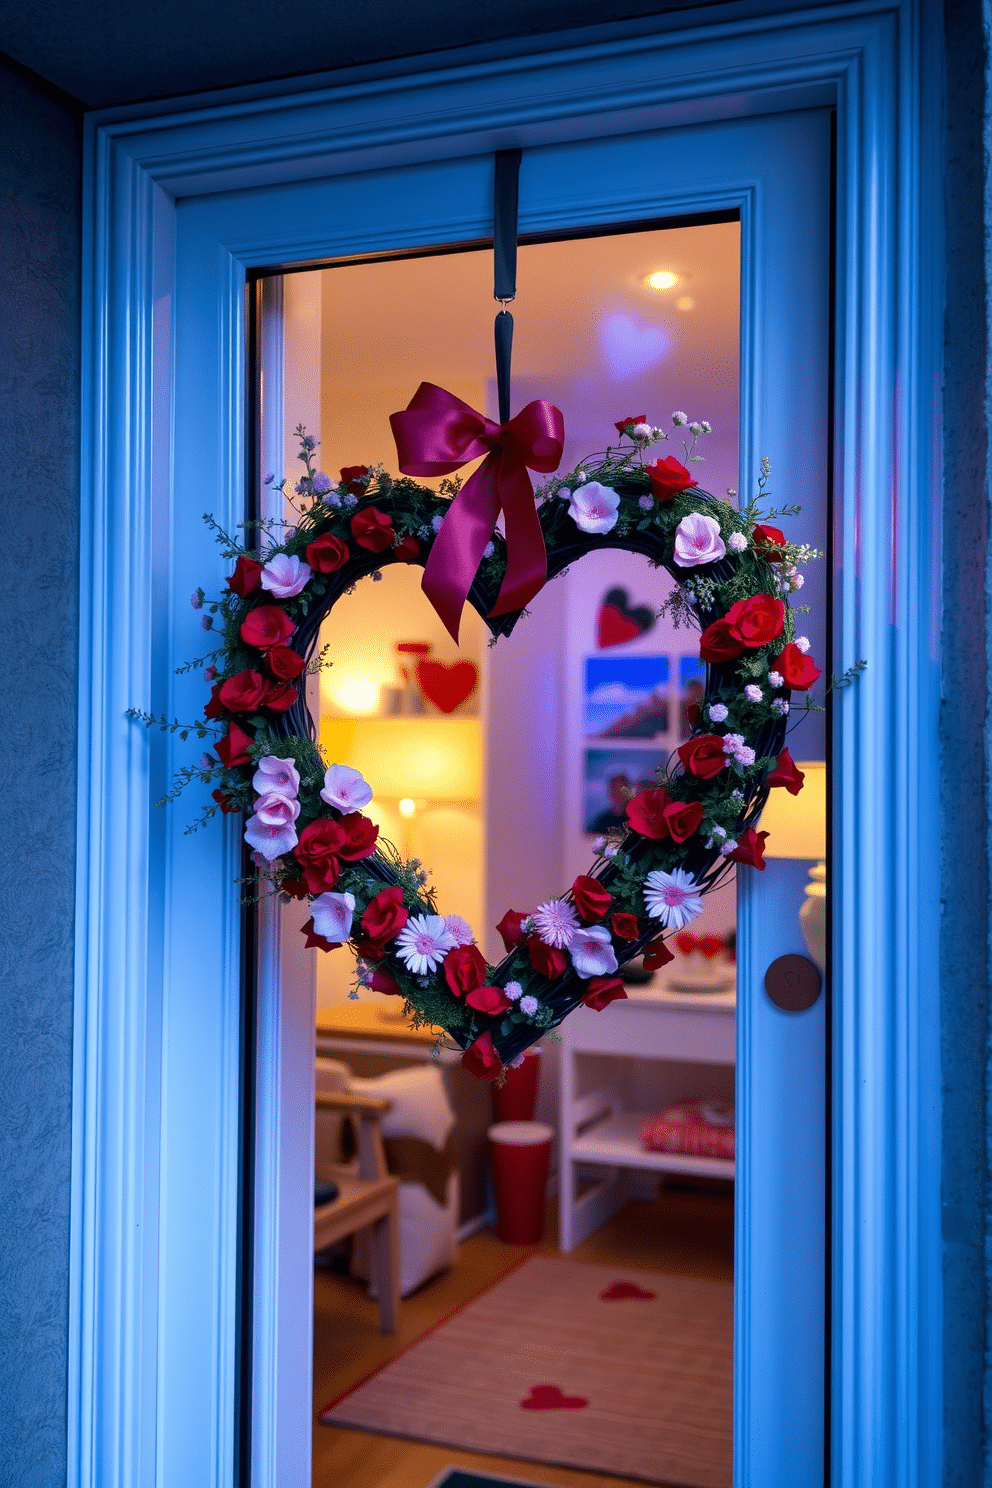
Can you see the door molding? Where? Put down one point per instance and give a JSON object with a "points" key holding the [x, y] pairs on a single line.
{"points": [[154, 1217]]}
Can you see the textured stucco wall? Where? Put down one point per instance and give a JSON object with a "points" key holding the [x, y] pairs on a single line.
{"points": [[39, 482]]}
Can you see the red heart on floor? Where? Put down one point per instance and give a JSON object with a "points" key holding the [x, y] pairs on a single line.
{"points": [[620, 621], [622, 1291], [446, 686], [549, 1397]]}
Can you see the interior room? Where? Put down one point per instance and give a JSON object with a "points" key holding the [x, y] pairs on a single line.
{"points": [[500, 770]]}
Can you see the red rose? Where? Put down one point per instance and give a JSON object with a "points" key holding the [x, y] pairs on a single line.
{"points": [[244, 692], [408, 550], [355, 478], [491, 1000], [315, 941], [233, 749], [372, 529], [590, 898], [799, 671], [668, 477], [317, 851], [683, 817], [266, 626], [627, 423], [703, 756], [481, 1060], [509, 929], [718, 643], [625, 926], [214, 708], [787, 773], [327, 553], [756, 620], [247, 576], [548, 960], [280, 696], [385, 916], [646, 814], [602, 991], [381, 981], [360, 837], [657, 955], [224, 802], [464, 969], [295, 887], [750, 849], [768, 540], [284, 663]]}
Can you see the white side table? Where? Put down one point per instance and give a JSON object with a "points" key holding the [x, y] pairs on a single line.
{"points": [[596, 1130]]}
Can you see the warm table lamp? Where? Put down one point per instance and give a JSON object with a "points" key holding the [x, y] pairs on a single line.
{"points": [[797, 828]]}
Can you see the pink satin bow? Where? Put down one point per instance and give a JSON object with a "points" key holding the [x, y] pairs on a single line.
{"points": [[435, 434]]}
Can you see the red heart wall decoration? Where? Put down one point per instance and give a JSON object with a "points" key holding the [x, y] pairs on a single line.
{"points": [[621, 621], [549, 1397], [447, 685]]}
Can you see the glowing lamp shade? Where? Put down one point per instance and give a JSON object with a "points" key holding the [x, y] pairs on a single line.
{"points": [[797, 825], [413, 759]]}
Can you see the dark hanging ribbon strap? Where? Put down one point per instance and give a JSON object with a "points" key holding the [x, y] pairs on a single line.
{"points": [[505, 267]]}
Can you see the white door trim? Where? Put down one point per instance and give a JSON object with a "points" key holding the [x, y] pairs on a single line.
{"points": [[155, 1089]]}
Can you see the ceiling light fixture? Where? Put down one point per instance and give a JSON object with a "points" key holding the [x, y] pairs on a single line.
{"points": [[662, 279]]}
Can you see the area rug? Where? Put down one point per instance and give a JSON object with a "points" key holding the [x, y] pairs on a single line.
{"points": [[621, 1372], [461, 1477]]}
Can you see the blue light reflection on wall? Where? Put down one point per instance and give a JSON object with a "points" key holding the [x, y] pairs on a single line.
{"points": [[629, 348]]}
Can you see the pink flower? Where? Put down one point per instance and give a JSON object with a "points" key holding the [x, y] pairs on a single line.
{"points": [[423, 943], [345, 788], [332, 915], [698, 540], [556, 922], [283, 576], [271, 831], [591, 952], [460, 929], [278, 775], [593, 508]]}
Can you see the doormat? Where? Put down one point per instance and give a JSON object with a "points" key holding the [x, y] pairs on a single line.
{"points": [[620, 1372], [461, 1477]]}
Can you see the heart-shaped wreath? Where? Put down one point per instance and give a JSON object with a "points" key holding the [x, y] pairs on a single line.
{"points": [[733, 576]]}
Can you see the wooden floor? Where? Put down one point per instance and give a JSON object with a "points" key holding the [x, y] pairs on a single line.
{"points": [[682, 1233]]}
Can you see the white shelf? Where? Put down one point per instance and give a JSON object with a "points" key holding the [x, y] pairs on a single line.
{"points": [[615, 1142]]}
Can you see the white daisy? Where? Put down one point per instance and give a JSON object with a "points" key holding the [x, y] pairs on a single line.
{"points": [[556, 922], [423, 943], [672, 898]]}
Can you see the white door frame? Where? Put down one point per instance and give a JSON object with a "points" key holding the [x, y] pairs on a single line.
{"points": [[154, 1259]]}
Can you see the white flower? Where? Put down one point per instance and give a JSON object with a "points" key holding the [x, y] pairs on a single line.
{"points": [[717, 712], [728, 847], [706, 427], [513, 991], [680, 418], [283, 576], [591, 951], [332, 916], [672, 898], [529, 1005], [752, 693], [745, 755], [695, 429], [779, 706], [796, 580], [278, 775], [611, 849], [345, 788], [436, 522], [698, 540], [646, 503], [732, 742], [719, 832], [775, 679], [556, 922], [594, 507], [460, 929], [580, 476], [737, 542], [423, 943], [803, 643], [642, 431], [598, 843], [271, 831]]}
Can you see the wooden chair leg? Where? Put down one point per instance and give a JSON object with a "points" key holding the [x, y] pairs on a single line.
{"points": [[386, 1265]]}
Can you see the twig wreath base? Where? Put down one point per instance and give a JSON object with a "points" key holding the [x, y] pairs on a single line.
{"points": [[733, 577]]}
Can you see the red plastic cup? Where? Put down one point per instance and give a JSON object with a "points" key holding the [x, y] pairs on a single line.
{"points": [[520, 1151], [516, 1098]]}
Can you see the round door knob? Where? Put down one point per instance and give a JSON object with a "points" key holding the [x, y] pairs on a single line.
{"points": [[793, 983]]}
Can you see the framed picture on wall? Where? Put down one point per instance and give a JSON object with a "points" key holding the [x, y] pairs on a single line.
{"points": [[692, 680], [612, 776], [625, 697]]}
